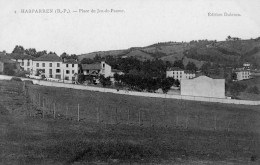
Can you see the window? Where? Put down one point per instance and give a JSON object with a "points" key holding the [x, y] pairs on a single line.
{"points": [[43, 64], [67, 72], [22, 63], [66, 78], [57, 70], [72, 65], [72, 71], [73, 78], [58, 76], [58, 64], [67, 65], [103, 65], [50, 64], [37, 64], [28, 63]]}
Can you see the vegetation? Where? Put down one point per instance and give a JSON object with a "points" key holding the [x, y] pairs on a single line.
{"points": [[15, 79], [37, 140], [253, 90]]}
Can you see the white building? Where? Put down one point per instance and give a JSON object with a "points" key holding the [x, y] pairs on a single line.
{"points": [[179, 74], [247, 65], [203, 86], [97, 69], [53, 67], [25, 61], [242, 74]]}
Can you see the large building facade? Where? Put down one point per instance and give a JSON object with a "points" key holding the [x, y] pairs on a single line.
{"points": [[179, 74], [25, 61], [203, 86], [52, 66], [242, 74], [97, 69]]}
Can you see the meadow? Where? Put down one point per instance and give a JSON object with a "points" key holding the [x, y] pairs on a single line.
{"points": [[220, 134]]}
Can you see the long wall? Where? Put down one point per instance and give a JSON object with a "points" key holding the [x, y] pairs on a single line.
{"points": [[133, 93]]}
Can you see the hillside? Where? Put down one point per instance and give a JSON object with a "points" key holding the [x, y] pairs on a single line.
{"points": [[221, 52]]}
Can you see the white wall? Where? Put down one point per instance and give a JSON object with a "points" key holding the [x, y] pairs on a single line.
{"points": [[203, 86], [47, 68], [72, 70], [179, 75], [27, 64], [105, 69]]}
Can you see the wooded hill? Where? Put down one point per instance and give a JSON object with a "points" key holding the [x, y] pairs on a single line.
{"points": [[229, 52]]}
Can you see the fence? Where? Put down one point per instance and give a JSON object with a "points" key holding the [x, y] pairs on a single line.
{"points": [[133, 93], [165, 114], [193, 98]]}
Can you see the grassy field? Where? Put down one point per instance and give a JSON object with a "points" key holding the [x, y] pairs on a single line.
{"points": [[111, 108], [35, 140]]}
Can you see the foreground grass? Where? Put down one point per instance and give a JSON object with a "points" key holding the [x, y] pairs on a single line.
{"points": [[34, 140]]}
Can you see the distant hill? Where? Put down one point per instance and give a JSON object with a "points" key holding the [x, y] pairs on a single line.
{"points": [[221, 52]]}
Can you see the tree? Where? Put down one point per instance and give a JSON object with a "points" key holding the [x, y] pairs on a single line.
{"points": [[191, 66], [178, 64], [117, 77], [234, 76], [97, 58], [31, 52], [166, 84], [40, 53], [205, 68], [105, 81], [64, 55], [87, 61], [18, 49]]}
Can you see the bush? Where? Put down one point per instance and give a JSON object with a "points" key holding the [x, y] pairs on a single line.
{"points": [[16, 79], [28, 81], [21, 74]]}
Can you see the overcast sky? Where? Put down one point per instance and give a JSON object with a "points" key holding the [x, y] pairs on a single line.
{"points": [[141, 23]]}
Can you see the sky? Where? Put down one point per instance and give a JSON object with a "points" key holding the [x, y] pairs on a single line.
{"points": [[139, 23]]}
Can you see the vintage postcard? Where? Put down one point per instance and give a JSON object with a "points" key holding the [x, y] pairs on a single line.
{"points": [[130, 82]]}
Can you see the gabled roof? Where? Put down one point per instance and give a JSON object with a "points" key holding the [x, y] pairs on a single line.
{"points": [[175, 69], [116, 70], [70, 61], [20, 56], [96, 66], [5, 60], [241, 70], [49, 57]]}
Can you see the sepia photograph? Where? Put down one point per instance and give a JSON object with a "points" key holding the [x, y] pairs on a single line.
{"points": [[106, 82]]}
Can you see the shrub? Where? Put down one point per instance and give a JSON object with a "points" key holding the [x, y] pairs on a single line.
{"points": [[28, 81], [21, 74], [15, 79]]}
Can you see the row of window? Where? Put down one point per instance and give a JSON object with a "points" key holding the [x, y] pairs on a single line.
{"points": [[50, 65], [59, 71], [28, 63], [59, 77]]}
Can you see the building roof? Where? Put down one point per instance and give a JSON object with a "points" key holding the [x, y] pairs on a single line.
{"points": [[115, 70], [189, 72], [20, 56], [96, 66], [175, 69], [5, 60], [49, 57], [70, 61], [241, 70]]}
